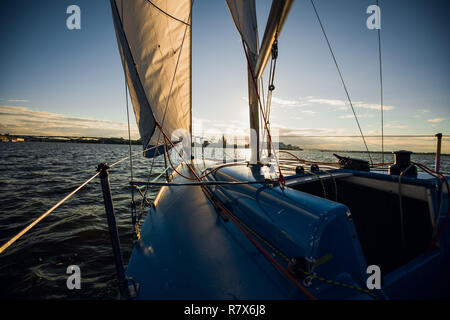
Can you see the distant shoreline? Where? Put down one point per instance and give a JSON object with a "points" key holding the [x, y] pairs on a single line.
{"points": [[24, 138], [99, 140], [377, 152]]}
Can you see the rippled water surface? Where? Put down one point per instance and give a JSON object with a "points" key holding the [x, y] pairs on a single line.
{"points": [[36, 175]]}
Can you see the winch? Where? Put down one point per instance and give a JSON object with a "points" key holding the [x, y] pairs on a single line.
{"points": [[402, 163]]}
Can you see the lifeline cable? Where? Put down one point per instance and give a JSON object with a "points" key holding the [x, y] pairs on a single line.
{"points": [[45, 214], [381, 84], [255, 84], [31, 225], [342, 79], [133, 204], [444, 223]]}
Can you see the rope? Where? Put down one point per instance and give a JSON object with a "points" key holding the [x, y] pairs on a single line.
{"points": [[286, 258], [444, 223], [31, 225], [321, 182], [168, 99], [174, 74], [167, 14], [255, 84], [133, 205], [271, 87], [381, 87], [202, 183], [134, 154], [241, 227], [45, 214], [368, 136], [304, 161], [335, 184], [197, 177], [402, 227], [290, 277], [341, 77]]}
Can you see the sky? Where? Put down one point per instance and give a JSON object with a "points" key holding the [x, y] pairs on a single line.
{"points": [[56, 81]]}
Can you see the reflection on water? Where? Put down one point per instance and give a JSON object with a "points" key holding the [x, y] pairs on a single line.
{"points": [[34, 176]]}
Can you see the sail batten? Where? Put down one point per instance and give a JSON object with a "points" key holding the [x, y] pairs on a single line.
{"points": [[154, 39]]}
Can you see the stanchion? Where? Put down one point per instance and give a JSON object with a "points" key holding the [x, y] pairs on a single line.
{"points": [[109, 208], [438, 152]]}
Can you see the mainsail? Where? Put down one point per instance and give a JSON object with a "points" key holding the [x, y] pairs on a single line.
{"points": [[154, 39]]}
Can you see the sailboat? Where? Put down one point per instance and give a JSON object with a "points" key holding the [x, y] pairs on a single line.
{"points": [[264, 228]]}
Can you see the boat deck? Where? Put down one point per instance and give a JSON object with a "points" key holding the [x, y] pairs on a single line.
{"points": [[188, 251]]}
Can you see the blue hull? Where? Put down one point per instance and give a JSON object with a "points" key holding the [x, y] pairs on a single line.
{"points": [[325, 232]]}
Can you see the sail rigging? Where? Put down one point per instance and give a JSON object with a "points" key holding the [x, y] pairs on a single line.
{"points": [[154, 39], [278, 14], [244, 17]]}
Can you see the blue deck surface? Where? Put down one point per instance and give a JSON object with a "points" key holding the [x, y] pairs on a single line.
{"points": [[187, 251]]}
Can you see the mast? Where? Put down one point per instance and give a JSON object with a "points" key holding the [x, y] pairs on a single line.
{"points": [[253, 113], [243, 13]]}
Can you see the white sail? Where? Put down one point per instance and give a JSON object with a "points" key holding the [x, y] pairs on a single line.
{"points": [[243, 13], [154, 39]]}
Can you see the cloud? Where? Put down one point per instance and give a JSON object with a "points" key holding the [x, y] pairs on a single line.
{"points": [[14, 100], [283, 102], [436, 120], [351, 116], [420, 113], [396, 126], [323, 138], [331, 102], [311, 101], [18, 100], [22, 120], [344, 105]]}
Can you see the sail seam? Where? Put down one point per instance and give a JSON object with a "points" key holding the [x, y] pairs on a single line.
{"points": [[173, 78], [168, 14]]}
